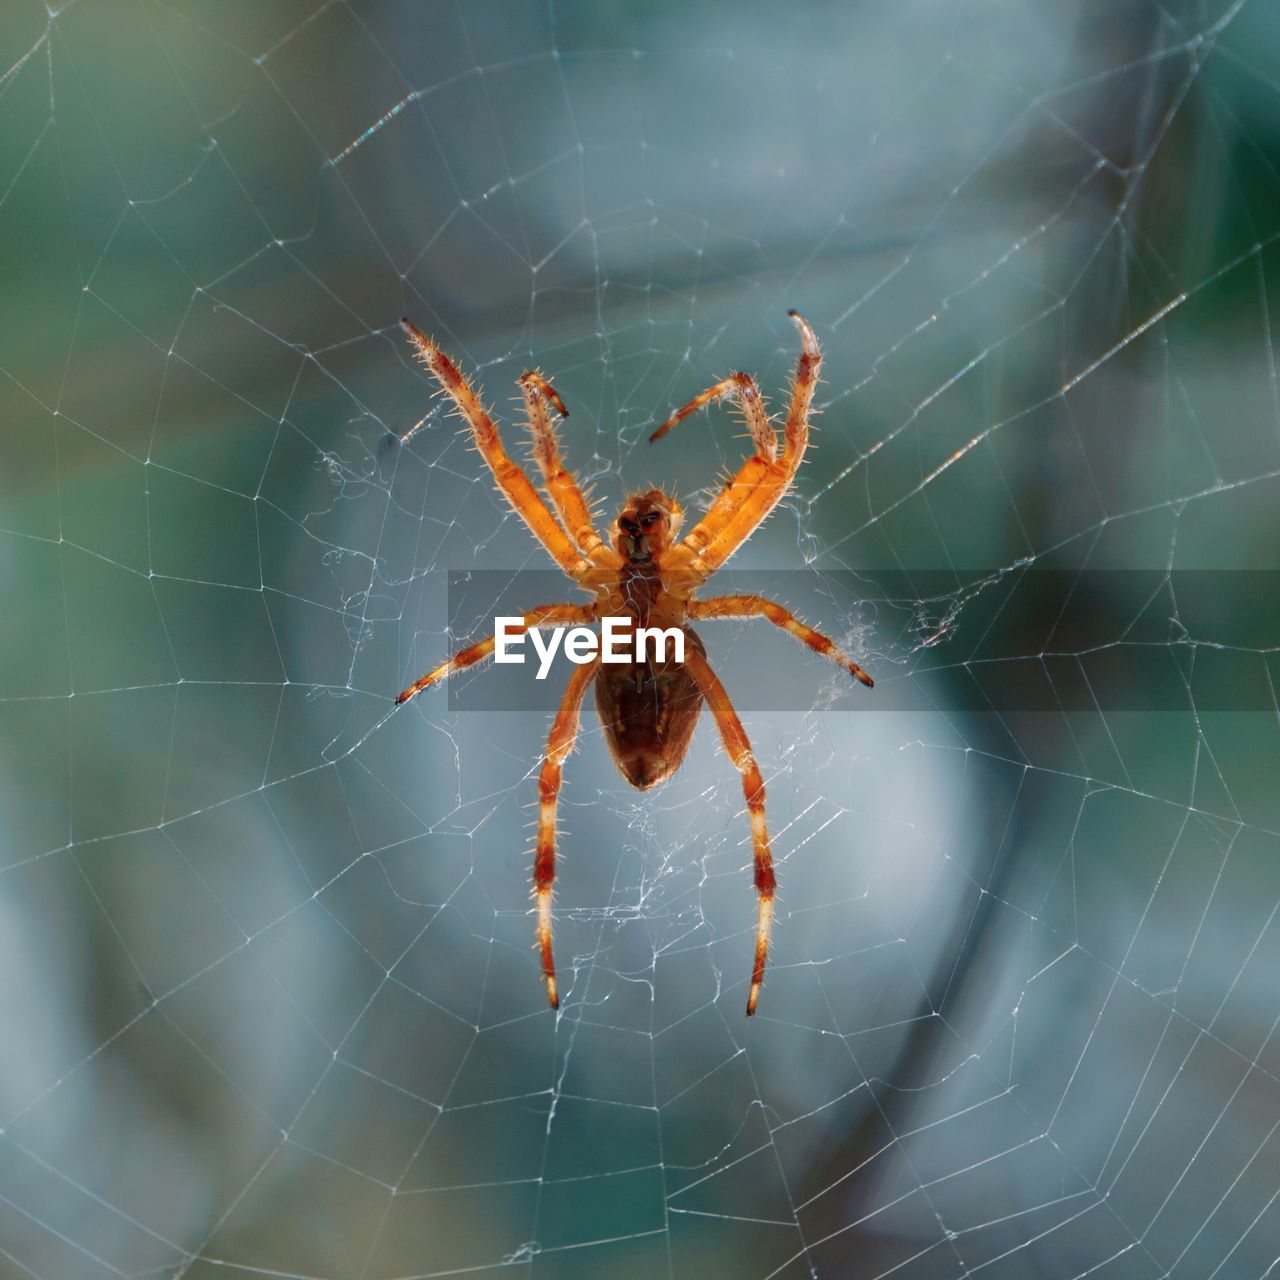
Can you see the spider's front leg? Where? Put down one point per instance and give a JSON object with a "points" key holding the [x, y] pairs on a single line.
{"points": [[762, 480], [520, 493], [738, 748], [568, 499], [560, 742], [742, 388]]}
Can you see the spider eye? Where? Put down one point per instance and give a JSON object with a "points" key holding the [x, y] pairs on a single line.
{"points": [[650, 518]]}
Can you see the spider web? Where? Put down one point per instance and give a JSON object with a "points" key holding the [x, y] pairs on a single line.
{"points": [[269, 1006]]}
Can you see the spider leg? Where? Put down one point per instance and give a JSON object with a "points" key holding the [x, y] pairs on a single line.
{"points": [[738, 749], [562, 487], [564, 733], [761, 481], [542, 615], [742, 388], [515, 485], [759, 607]]}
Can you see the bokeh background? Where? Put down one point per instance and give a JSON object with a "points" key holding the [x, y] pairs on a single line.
{"points": [[267, 1003]]}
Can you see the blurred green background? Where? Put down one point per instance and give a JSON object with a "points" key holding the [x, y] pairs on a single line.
{"points": [[268, 1005]]}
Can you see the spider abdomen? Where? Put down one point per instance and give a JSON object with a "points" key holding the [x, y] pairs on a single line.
{"points": [[648, 711]]}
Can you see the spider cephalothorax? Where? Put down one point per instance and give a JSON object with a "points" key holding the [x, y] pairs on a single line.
{"points": [[646, 526], [648, 707]]}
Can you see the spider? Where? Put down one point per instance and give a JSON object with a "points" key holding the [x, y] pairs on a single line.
{"points": [[648, 710]]}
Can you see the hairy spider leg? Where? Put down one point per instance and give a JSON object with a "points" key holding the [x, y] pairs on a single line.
{"points": [[761, 481], [562, 487], [738, 748], [753, 606], [742, 388], [512, 481], [541, 616], [560, 742]]}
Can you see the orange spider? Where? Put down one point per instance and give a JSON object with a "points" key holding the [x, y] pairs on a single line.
{"points": [[648, 709]]}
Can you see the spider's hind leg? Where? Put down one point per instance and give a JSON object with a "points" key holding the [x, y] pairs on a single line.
{"points": [[564, 733], [738, 748]]}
